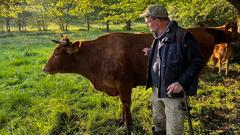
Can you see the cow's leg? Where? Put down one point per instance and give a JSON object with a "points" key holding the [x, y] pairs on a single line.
{"points": [[121, 121], [227, 66], [127, 116], [219, 65], [125, 97], [214, 63]]}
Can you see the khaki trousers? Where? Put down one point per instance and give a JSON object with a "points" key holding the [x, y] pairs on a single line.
{"points": [[168, 114]]}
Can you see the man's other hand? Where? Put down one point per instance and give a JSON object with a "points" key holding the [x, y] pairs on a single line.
{"points": [[146, 51], [174, 88]]}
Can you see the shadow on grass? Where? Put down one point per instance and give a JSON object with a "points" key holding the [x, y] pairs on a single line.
{"points": [[68, 124], [219, 120], [212, 76]]}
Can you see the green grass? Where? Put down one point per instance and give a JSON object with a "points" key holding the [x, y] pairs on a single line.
{"points": [[33, 102]]}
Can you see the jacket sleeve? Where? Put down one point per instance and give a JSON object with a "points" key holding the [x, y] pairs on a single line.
{"points": [[193, 59]]}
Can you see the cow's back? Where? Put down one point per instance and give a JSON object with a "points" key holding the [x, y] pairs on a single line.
{"points": [[125, 52], [128, 50]]}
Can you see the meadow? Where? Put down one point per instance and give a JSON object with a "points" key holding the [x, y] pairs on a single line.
{"points": [[35, 103]]}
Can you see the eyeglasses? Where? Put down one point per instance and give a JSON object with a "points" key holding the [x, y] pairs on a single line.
{"points": [[150, 21]]}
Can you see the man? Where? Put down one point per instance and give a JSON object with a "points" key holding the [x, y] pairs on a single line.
{"points": [[173, 67]]}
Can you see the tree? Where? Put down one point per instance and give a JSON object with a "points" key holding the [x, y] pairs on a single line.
{"points": [[105, 9], [9, 9], [21, 18], [236, 4], [122, 11], [126, 11], [60, 12], [40, 10], [83, 8], [211, 12]]}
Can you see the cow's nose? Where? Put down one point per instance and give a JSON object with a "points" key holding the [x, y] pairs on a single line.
{"points": [[44, 70]]}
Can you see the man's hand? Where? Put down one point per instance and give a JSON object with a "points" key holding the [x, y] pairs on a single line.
{"points": [[174, 88], [146, 51]]}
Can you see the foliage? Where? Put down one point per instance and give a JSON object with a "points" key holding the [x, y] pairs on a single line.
{"points": [[38, 13], [208, 12], [10, 8]]}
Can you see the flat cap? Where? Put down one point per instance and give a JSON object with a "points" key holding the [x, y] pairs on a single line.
{"points": [[155, 11]]}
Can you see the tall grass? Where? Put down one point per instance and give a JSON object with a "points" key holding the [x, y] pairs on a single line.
{"points": [[33, 102]]}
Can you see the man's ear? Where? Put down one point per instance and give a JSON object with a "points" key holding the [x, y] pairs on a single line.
{"points": [[74, 47]]}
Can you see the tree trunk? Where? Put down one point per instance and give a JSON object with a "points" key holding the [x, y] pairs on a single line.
{"points": [[24, 21], [19, 25], [88, 23], [238, 22], [66, 27], [43, 23], [128, 25], [8, 27], [39, 25], [107, 26], [61, 25]]}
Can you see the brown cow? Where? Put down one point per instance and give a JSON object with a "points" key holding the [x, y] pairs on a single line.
{"points": [[223, 35], [222, 53], [226, 33], [114, 63]]}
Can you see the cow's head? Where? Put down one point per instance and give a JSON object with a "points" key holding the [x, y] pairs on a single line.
{"points": [[231, 30], [62, 59]]}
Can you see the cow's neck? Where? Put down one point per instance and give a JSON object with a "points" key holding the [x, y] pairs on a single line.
{"points": [[85, 58], [219, 35]]}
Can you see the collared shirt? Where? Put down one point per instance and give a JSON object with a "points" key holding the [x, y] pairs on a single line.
{"points": [[155, 72]]}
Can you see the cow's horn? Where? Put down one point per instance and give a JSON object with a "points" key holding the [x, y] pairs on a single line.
{"points": [[61, 35], [55, 41], [60, 42]]}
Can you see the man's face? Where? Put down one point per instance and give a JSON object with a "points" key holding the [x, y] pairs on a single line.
{"points": [[153, 24]]}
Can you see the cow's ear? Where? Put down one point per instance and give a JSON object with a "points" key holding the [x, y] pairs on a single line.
{"points": [[73, 48], [230, 30]]}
